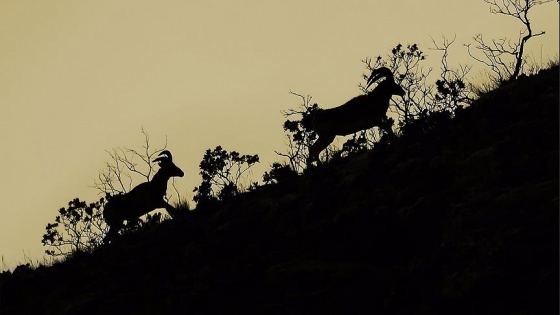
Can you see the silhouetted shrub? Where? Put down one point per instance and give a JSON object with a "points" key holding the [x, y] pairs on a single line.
{"points": [[299, 133], [449, 90], [79, 227], [279, 173], [128, 167], [221, 173], [449, 93], [406, 65]]}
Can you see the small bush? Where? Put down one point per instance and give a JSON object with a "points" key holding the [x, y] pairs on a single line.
{"points": [[222, 172]]}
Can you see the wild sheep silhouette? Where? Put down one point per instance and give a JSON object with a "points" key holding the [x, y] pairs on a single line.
{"points": [[360, 113], [143, 198]]}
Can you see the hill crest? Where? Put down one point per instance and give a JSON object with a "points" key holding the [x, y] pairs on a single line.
{"points": [[457, 216]]}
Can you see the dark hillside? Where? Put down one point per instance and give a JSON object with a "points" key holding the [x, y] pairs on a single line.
{"points": [[456, 217]]}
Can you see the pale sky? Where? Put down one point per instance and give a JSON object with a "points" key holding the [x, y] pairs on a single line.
{"points": [[81, 77]]}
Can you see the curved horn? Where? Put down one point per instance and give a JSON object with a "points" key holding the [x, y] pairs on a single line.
{"points": [[167, 154], [379, 73], [164, 155]]}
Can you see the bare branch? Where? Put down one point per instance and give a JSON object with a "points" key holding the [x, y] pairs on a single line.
{"points": [[506, 58]]}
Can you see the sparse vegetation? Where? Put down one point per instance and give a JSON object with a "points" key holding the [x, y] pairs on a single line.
{"points": [[279, 173], [81, 227], [406, 65], [143, 198], [455, 212], [128, 167], [458, 215], [78, 227], [222, 172], [506, 58], [421, 99], [299, 134]]}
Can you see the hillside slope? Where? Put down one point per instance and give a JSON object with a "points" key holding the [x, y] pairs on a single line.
{"points": [[461, 218]]}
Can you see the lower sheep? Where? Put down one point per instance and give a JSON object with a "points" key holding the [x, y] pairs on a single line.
{"points": [[141, 199]]}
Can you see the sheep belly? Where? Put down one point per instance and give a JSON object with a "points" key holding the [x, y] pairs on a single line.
{"points": [[347, 120], [131, 208]]}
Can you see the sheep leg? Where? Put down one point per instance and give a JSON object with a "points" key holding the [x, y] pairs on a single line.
{"points": [[113, 231], [171, 210], [387, 126], [319, 145]]}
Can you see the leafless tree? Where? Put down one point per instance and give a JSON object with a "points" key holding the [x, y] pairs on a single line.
{"points": [[504, 57]]}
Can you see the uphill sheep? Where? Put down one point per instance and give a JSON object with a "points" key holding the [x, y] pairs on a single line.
{"points": [[360, 113]]}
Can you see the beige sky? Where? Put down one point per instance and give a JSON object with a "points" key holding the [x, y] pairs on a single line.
{"points": [[81, 77]]}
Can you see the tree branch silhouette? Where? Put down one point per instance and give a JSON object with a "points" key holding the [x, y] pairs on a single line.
{"points": [[504, 57], [122, 170]]}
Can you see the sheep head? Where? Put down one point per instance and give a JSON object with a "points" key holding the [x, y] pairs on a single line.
{"points": [[165, 162], [392, 87]]}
